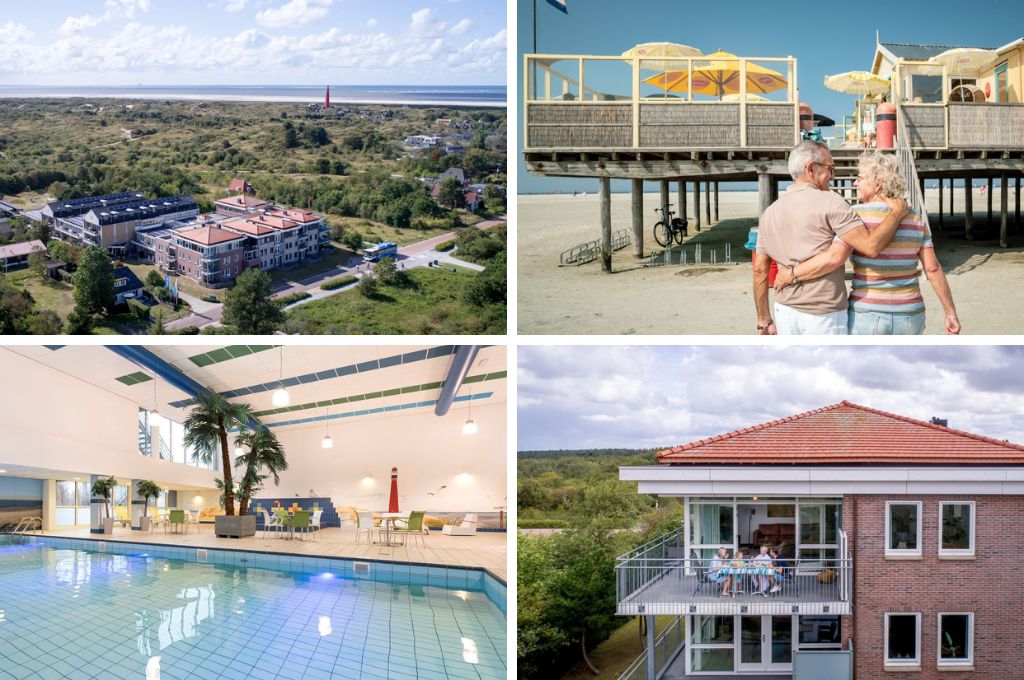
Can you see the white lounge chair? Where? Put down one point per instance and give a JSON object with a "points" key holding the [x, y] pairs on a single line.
{"points": [[270, 522], [314, 523], [463, 527]]}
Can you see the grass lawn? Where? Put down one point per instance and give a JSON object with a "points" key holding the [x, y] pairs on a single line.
{"points": [[378, 232], [432, 303], [613, 656], [335, 257], [48, 294]]}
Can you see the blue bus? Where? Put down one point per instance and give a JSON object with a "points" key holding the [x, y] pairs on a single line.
{"points": [[380, 251]]}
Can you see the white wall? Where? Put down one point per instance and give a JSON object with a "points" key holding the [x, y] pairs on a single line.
{"points": [[429, 452], [51, 421]]}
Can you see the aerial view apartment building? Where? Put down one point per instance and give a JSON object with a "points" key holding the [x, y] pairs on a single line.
{"points": [[213, 248], [897, 551]]}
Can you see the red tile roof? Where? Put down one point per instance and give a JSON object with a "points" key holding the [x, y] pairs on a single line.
{"points": [[242, 201], [208, 236], [846, 433], [296, 214], [247, 225]]}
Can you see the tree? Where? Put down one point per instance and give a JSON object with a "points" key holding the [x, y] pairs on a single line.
{"points": [[154, 279], [15, 308], [291, 137], [385, 271], [65, 252], [262, 452], [147, 489], [368, 286], [451, 194], [37, 263], [45, 322], [353, 239], [206, 433], [94, 281], [79, 321], [104, 488], [249, 307]]}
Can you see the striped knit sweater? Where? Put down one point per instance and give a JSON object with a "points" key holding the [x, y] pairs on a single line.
{"points": [[889, 282]]}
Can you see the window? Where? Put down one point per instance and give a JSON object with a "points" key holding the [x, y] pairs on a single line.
{"points": [[956, 529], [711, 645], [72, 503], [1001, 87], [903, 529], [902, 639], [819, 632], [956, 639]]}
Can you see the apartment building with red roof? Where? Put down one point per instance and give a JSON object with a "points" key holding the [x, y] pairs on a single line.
{"points": [[209, 254], [899, 542]]}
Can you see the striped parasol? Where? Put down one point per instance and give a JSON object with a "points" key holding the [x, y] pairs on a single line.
{"points": [[650, 53]]}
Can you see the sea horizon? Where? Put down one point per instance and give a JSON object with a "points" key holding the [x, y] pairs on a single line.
{"points": [[389, 95]]}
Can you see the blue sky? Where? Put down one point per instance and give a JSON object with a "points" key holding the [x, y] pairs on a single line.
{"points": [[572, 397], [247, 42], [824, 38]]}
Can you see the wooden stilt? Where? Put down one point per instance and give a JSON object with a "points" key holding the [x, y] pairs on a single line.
{"points": [[696, 205], [763, 192], [951, 181], [716, 201], [941, 191], [605, 193], [1004, 198], [681, 191], [920, 181], [707, 201], [638, 217], [968, 209], [989, 192], [1017, 203]]}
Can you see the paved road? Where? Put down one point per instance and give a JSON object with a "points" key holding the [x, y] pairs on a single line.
{"points": [[418, 254]]}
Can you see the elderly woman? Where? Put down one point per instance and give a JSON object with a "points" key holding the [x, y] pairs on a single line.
{"points": [[886, 298]]}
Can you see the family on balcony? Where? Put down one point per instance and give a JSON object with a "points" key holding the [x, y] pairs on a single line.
{"points": [[765, 571], [810, 232]]}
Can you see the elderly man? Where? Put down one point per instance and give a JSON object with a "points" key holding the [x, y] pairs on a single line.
{"points": [[804, 222]]}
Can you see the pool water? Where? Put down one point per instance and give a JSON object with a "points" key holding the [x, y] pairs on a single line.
{"points": [[72, 613]]}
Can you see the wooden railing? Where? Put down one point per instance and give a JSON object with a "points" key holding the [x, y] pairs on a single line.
{"points": [[565, 109]]}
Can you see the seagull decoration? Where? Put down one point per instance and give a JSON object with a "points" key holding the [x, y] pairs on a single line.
{"points": [[438, 492]]}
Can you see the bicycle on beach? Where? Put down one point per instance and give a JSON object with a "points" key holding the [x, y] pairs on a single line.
{"points": [[669, 227]]}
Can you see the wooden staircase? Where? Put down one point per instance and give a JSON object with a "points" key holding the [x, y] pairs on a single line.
{"points": [[845, 161]]}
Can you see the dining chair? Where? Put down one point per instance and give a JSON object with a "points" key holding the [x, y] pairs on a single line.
{"points": [[413, 526], [364, 522], [177, 518], [315, 523], [300, 520]]}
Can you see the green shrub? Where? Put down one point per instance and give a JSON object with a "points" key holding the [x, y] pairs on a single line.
{"points": [[138, 309], [154, 279], [210, 298], [368, 286], [543, 523], [339, 282], [292, 298], [445, 246]]}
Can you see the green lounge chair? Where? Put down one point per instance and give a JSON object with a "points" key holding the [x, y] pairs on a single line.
{"points": [[177, 517], [414, 527]]}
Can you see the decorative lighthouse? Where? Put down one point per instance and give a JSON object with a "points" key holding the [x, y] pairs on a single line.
{"points": [[327, 98]]}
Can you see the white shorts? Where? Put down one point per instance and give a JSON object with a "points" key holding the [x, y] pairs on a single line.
{"points": [[789, 321]]}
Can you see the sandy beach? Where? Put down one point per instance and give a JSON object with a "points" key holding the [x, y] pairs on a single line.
{"points": [[717, 299]]}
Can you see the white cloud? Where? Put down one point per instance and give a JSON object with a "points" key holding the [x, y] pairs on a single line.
{"points": [[13, 32], [424, 24], [461, 27], [236, 5], [371, 22], [74, 25], [126, 8], [294, 13]]}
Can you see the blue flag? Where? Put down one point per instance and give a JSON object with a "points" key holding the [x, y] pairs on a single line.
{"points": [[167, 282], [559, 5]]}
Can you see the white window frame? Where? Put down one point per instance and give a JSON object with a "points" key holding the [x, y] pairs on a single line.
{"points": [[902, 664], [955, 663], [956, 553], [909, 553]]}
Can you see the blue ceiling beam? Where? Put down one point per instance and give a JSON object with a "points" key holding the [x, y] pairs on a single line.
{"points": [[143, 358], [457, 372]]}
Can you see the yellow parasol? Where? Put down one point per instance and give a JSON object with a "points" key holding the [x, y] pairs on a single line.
{"points": [[964, 61], [735, 97], [718, 74], [648, 52], [857, 82]]}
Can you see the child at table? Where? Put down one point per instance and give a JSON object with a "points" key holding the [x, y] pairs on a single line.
{"points": [[738, 562]]}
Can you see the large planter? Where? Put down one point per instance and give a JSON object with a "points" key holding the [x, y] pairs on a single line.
{"points": [[235, 526], [108, 525], [144, 523]]}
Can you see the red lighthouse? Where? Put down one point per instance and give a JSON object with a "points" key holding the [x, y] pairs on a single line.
{"points": [[327, 98]]}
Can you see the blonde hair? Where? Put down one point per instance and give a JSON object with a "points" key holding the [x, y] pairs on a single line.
{"points": [[885, 169]]}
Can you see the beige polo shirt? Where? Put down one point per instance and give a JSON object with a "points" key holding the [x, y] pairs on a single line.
{"points": [[802, 223]]}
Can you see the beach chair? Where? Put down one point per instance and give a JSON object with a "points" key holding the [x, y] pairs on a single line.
{"points": [[462, 527]]}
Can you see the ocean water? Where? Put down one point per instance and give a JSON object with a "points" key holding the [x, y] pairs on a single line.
{"points": [[452, 95], [68, 613]]}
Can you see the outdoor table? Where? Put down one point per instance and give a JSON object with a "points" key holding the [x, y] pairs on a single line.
{"points": [[387, 520], [747, 572]]}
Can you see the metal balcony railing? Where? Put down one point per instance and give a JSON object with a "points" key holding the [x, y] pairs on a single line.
{"points": [[660, 578]]}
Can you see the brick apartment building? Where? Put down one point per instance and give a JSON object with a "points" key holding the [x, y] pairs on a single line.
{"points": [[901, 539]]}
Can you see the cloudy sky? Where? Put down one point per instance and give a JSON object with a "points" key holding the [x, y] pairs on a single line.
{"points": [[248, 42], [639, 397]]}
